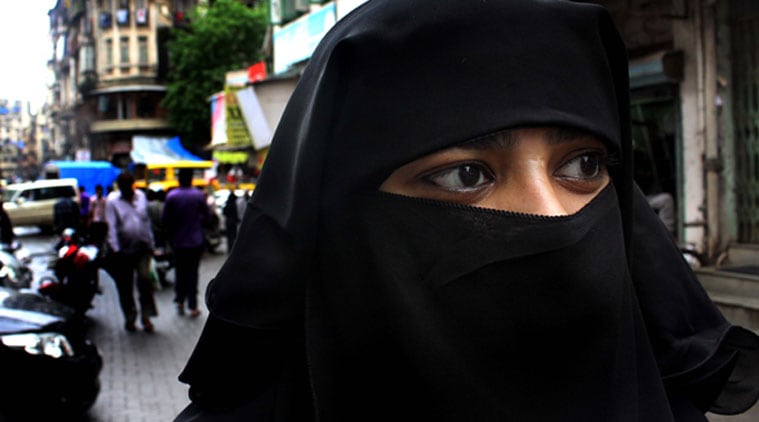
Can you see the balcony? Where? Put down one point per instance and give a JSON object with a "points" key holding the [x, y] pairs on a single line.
{"points": [[128, 125]]}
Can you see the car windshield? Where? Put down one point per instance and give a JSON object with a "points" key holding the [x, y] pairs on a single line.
{"points": [[9, 194]]}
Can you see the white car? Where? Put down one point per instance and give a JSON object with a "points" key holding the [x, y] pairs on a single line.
{"points": [[31, 203]]}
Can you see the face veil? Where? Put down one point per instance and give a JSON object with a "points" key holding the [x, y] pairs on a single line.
{"points": [[373, 303]]}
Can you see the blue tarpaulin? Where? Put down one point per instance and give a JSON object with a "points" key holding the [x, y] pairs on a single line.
{"points": [[153, 150], [88, 173]]}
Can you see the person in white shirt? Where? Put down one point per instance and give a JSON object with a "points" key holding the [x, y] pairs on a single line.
{"points": [[130, 239]]}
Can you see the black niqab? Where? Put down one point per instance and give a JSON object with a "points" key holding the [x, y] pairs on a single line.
{"points": [[361, 305]]}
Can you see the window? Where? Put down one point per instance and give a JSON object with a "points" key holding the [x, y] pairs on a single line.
{"points": [[156, 175], [124, 44], [105, 19], [146, 106], [143, 47], [109, 52], [141, 12], [122, 14]]}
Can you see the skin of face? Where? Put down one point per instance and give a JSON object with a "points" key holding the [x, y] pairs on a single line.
{"points": [[535, 171]]}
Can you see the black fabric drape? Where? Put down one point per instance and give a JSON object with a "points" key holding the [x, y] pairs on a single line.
{"points": [[411, 308]]}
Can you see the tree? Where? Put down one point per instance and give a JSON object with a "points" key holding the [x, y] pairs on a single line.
{"points": [[225, 36]]}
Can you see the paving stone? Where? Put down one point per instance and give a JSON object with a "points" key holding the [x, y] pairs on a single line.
{"points": [[140, 370]]}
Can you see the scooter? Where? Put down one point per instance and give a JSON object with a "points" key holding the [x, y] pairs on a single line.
{"points": [[74, 280], [163, 259], [14, 265]]}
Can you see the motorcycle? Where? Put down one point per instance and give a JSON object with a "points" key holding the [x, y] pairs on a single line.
{"points": [[74, 280], [163, 261], [14, 265]]}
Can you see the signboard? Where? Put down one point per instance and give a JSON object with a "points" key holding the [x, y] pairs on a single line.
{"points": [[218, 119], [297, 40], [237, 132], [254, 118], [83, 155]]}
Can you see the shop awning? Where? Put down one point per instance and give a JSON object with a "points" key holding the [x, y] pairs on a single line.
{"points": [[146, 149]]}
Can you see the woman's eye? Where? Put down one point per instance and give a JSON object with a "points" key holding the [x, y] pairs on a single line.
{"points": [[462, 177], [585, 166]]}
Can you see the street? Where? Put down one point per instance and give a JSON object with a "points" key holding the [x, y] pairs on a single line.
{"points": [[139, 376]]}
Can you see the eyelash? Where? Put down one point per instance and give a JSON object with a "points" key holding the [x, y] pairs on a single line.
{"points": [[602, 164], [428, 176]]}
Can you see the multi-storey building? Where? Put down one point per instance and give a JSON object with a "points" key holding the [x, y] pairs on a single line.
{"points": [[16, 139], [110, 62]]}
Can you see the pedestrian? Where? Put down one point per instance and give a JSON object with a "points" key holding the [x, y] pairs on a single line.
{"points": [[84, 211], [130, 241], [447, 229], [66, 214], [97, 221], [242, 202], [6, 226], [184, 215], [162, 252], [231, 219], [156, 199]]}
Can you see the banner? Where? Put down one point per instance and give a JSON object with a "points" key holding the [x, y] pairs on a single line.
{"points": [[254, 118], [218, 119], [237, 132]]}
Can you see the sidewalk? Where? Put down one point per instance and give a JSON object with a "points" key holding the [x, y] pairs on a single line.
{"points": [[139, 377]]}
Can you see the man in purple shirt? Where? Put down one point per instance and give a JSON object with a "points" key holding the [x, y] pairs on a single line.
{"points": [[184, 214]]}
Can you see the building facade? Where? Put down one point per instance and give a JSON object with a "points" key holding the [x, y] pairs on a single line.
{"points": [[110, 63]]}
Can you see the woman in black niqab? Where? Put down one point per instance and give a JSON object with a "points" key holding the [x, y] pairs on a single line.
{"points": [[341, 302]]}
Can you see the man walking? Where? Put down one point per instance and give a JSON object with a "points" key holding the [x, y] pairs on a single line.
{"points": [[184, 214], [131, 242], [97, 220]]}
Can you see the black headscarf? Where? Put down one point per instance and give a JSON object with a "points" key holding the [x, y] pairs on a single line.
{"points": [[362, 305]]}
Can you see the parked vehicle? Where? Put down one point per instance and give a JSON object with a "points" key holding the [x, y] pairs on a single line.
{"points": [[74, 280], [87, 173], [51, 369], [165, 176], [212, 230], [14, 266], [32, 203], [164, 261]]}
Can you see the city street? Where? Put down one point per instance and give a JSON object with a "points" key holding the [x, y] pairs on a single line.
{"points": [[139, 377]]}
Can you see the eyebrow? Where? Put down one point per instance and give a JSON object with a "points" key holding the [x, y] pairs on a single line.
{"points": [[506, 138]]}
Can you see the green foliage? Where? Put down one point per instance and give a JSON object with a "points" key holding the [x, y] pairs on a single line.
{"points": [[222, 37]]}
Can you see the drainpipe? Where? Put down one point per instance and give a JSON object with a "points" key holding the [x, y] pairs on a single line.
{"points": [[706, 19]]}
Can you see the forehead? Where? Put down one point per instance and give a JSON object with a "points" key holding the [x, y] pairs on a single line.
{"points": [[506, 138]]}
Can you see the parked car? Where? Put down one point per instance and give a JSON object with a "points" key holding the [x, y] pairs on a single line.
{"points": [[50, 367], [31, 203]]}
